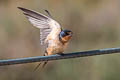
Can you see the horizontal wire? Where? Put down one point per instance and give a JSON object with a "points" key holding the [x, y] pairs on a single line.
{"points": [[58, 57]]}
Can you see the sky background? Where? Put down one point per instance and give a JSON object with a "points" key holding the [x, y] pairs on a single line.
{"points": [[95, 24]]}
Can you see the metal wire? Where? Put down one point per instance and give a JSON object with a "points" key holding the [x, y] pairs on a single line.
{"points": [[58, 57]]}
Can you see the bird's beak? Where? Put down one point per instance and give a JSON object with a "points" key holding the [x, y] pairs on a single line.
{"points": [[71, 34]]}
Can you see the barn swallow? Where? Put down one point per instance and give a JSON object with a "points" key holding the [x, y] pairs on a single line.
{"points": [[51, 33]]}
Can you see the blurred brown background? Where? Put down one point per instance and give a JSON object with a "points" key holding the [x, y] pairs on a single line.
{"points": [[95, 24]]}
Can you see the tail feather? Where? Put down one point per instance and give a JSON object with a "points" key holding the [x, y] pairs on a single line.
{"points": [[45, 63], [40, 63], [37, 66], [48, 13]]}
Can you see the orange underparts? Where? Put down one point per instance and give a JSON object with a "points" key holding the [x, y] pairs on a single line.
{"points": [[49, 51], [66, 39]]}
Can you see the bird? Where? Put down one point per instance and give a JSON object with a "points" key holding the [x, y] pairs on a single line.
{"points": [[52, 34]]}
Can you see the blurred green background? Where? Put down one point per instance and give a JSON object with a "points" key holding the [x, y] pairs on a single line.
{"points": [[95, 24]]}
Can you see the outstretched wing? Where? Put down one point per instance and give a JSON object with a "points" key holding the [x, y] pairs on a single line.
{"points": [[46, 24]]}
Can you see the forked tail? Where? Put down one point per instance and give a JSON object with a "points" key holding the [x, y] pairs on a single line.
{"points": [[44, 64]]}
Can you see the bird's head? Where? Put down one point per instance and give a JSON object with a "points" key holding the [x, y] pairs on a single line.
{"points": [[66, 35]]}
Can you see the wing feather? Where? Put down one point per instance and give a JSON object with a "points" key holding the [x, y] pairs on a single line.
{"points": [[46, 24]]}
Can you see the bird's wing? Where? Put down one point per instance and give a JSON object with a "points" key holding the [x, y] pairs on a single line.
{"points": [[46, 24]]}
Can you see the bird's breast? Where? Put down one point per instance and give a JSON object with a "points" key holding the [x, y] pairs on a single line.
{"points": [[55, 47]]}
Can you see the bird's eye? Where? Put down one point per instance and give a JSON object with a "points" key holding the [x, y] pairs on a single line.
{"points": [[68, 33]]}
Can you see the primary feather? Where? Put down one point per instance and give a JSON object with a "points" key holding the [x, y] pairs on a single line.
{"points": [[46, 24]]}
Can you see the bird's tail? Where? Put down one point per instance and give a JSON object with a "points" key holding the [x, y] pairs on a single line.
{"points": [[44, 64], [37, 67]]}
